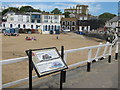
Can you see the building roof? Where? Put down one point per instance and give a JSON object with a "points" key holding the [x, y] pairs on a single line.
{"points": [[82, 5], [114, 19], [33, 13], [15, 13], [71, 9], [69, 19], [50, 14]]}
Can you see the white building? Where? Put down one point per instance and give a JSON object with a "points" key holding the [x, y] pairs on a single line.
{"points": [[16, 20], [50, 22], [113, 24], [32, 20]]}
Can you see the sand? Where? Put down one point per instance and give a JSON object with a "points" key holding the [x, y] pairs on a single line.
{"points": [[15, 46]]}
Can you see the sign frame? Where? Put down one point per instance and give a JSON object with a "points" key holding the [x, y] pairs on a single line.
{"points": [[48, 73]]}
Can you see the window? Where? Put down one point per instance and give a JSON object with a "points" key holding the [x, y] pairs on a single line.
{"points": [[45, 17], [36, 26], [55, 27], [52, 27], [73, 23], [46, 28], [35, 16], [11, 14], [3, 25], [33, 21], [59, 27], [82, 28], [10, 25], [11, 18], [55, 17], [18, 25], [49, 17], [38, 21], [68, 28], [45, 20], [49, 27], [31, 26], [38, 16], [68, 23], [24, 26], [63, 23], [27, 20]]}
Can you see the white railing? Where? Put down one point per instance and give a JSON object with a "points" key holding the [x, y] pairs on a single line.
{"points": [[90, 48]]}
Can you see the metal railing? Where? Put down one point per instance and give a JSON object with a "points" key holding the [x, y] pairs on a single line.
{"points": [[90, 59]]}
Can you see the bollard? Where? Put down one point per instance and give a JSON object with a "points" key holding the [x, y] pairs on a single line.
{"points": [[116, 52], [88, 66], [116, 56], [109, 59]]}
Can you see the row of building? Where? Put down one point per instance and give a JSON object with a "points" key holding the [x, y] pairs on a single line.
{"points": [[78, 20], [47, 22]]}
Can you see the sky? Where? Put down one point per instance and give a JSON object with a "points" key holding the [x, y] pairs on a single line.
{"points": [[95, 8]]}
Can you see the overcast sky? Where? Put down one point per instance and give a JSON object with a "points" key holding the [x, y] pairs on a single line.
{"points": [[95, 8]]}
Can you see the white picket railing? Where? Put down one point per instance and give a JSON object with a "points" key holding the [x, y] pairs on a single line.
{"points": [[106, 46]]}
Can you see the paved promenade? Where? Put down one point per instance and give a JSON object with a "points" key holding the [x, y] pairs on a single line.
{"points": [[102, 75]]}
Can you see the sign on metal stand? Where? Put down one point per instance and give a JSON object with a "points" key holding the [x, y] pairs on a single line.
{"points": [[46, 61]]}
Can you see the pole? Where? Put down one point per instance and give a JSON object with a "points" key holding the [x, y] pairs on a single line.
{"points": [[61, 73], [30, 70]]}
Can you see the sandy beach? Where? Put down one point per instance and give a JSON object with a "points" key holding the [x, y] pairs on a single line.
{"points": [[15, 46]]}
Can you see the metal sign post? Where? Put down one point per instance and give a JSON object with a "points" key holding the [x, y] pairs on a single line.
{"points": [[29, 53], [63, 72]]}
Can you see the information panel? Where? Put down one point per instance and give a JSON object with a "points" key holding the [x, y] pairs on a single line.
{"points": [[47, 61]]}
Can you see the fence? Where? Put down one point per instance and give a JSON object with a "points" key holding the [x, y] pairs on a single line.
{"points": [[107, 46]]}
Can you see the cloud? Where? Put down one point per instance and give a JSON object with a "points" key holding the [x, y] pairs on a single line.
{"points": [[19, 5], [94, 8]]}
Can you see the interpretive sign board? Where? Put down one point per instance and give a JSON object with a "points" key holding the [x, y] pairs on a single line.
{"points": [[47, 60]]}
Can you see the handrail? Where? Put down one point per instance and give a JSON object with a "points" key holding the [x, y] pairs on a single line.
{"points": [[84, 48], [14, 60]]}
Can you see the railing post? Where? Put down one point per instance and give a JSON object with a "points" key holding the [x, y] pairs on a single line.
{"points": [[116, 51], [89, 62], [105, 50], [98, 50], [65, 57], [110, 53]]}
